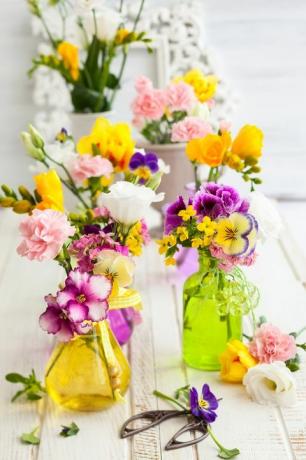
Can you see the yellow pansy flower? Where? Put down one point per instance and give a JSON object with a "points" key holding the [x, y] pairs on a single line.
{"points": [[70, 56], [187, 213], [182, 233], [248, 142], [236, 234], [235, 361], [209, 150], [49, 187]]}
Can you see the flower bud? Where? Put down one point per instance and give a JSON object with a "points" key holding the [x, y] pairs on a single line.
{"points": [[34, 152], [7, 190], [7, 202], [26, 195], [36, 137], [22, 206]]}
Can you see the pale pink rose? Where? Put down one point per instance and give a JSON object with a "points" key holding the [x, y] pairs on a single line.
{"points": [[44, 234], [225, 126], [83, 167], [143, 83], [269, 344], [180, 96], [190, 128], [149, 104]]}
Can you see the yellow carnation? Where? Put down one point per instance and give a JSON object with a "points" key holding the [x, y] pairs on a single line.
{"points": [[248, 142], [235, 361]]}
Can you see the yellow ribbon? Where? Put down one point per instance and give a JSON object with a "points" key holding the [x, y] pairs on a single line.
{"points": [[125, 298]]}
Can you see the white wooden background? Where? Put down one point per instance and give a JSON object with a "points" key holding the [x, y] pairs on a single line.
{"points": [[261, 433]]}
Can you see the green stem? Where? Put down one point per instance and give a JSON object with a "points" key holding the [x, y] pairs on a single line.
{"points": [[123, 63], [196, 179], [300, 331], [228, 326], [53, 42], [210, 175], [168, 398], [55, 360], [138, 15], [214, 437]]}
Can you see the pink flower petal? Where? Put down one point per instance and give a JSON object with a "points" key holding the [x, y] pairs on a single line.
{"points": [[100, 287], [65, 333], [77, 312], [97, 310], [65, 296], [50, 321]]}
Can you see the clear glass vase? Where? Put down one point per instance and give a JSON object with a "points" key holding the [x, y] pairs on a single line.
{"points": [[214, 302], [89, 373]]}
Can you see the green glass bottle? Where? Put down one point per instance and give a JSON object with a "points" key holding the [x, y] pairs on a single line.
{"points": [[208, 322]]}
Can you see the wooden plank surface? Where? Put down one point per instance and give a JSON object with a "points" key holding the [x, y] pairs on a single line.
{"points": [[261, 433]]}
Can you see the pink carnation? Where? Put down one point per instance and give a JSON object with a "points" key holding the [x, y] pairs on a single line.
{"points": [[269, 344], [190, 128], [227, 262], [143, 83], [82, 167], [180, 96], [44, 234], [149, 104], [101, 211]]}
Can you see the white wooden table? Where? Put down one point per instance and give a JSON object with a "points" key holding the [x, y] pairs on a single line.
{"points": [[261, 433]]}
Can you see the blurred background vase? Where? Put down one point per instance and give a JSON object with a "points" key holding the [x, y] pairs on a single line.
{"points": [[88, 373], [181, 171], [81, 123]]}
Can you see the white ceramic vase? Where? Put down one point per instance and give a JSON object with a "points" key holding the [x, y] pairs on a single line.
{"points": [[81, 123], [181, 171]]}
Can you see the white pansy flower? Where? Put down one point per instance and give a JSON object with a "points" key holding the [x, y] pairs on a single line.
{"points": [[127, 202], [266, 214], [163, 167], [271, 384]]}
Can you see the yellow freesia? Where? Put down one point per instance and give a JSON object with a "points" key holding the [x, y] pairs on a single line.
{"points": [[235, 361], [70, 56], [49, 187], [204, 86], [248, 142], [114, 141], [121, 35], [209, 150]]}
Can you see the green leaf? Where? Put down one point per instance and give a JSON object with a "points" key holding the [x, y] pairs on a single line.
{"points": [[17, 395], [112, 81], [14, 377], [70, 430], [33, 396], [301, 345], [85, 100], [228, 453], [30, 438]]}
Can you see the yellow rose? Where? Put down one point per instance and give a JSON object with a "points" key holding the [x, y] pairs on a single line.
{"points": [[248, 142], [70, 56], [114, 142], [49, 187], [235, 361], [204, 86], [209, 150]]}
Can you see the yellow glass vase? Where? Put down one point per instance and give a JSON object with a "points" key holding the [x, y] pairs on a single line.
{"points": [[89, 373]]}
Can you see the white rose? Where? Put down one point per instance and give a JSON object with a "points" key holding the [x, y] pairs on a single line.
{"points": [[266, 214], [127, 202], [271, 384], [201, 111], [107, 21]]}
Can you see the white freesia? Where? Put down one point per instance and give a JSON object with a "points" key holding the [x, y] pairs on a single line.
{"points": [[107, 22], [201, 111], [85, 6], [120, 267], [266, 214], [127, 202], [271, 384]]}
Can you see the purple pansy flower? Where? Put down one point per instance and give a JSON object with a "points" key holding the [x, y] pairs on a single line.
{"points": [[142, 160], [84, 296], [172, 219], [215, 201], [205, 406]]}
